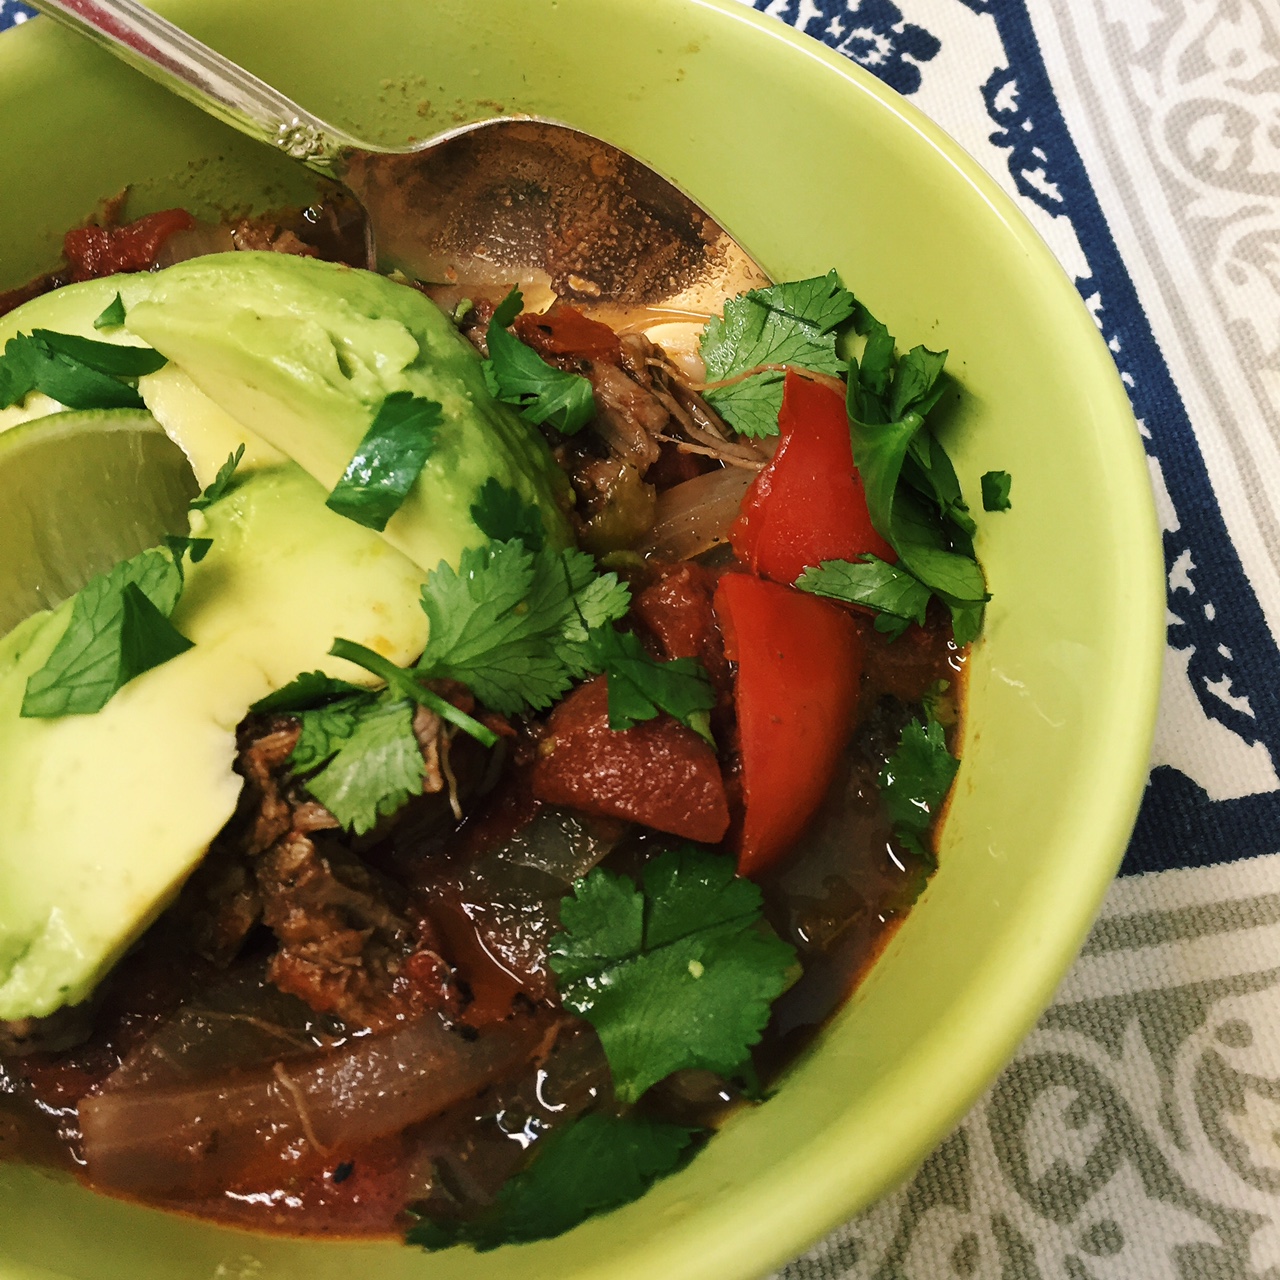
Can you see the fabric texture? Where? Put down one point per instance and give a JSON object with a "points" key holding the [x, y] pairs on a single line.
{"points": [[1136, 1136]]}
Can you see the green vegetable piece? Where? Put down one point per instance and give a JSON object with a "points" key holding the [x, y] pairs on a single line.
{"points": [[513, 626], [388, 460], [678, 973], [103, 357], [112, 316], [517, 375], [369, 762], [503, 514], [640, 686], [794, 323], [966, 622], [593, 1164], [406, 684], [111, 637], [30, 364], [995, 491], [222, 482], [898, 596], [304, 692], [147, 637], [915, 781], [181, 547]]}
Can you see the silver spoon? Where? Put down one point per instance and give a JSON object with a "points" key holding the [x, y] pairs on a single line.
{"points": [[500, 201]]}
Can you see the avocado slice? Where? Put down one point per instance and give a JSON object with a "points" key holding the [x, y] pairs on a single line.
{"points": [[303, 352], [106, 815]]}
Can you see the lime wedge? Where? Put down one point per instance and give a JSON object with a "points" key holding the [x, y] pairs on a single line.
{"points": [[78, 493]]}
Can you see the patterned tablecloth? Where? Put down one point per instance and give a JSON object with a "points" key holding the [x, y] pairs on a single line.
{"points": [[1136, 1136]]}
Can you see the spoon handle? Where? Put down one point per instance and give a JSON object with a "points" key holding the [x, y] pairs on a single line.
{"points": [[192, 70]]}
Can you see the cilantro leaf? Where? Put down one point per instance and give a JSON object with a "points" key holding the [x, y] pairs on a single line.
{"points": [[388, 461], [31, 364], [915, 781], [589, 1166], [221, 485], [512, 626], [112, 316], [405, 683], [640, 686], [147, 637], [793, 323], [995, 490], [305, 691], [750, 406], [677, 973], [913, 495], [367, 760], [519, 376], [966, 622], [103, 357], [111, 637], [897, 596], [502, 514], [181, 547]]}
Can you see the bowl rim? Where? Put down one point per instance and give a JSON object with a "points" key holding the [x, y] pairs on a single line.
{"points": [[783, 1212]]}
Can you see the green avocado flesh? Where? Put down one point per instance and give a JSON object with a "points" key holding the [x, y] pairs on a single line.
{"points": [[303, 352], [106, 815]]}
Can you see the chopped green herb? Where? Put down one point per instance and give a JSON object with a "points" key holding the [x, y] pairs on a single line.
{"points": [[388, 461], [589, 1166], [405, 683], [512, 625], [678, 973], [898, 597], [181, 547], [31, 364], [118, 628], [221, 485], [112, 316], [640, 686], [360, 759], [519, 376], [304, 692], [112, 358], [995, 490], [794, 323], [915, 780], [502, 514], [913, 495]]}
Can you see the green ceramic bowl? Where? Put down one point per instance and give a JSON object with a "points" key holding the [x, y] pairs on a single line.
{"points": [[811, 164]]}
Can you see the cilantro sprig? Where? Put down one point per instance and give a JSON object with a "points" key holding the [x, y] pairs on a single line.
{"points": [[80, 373], [388, 460], [915, 781], [898, 597], [640, 686], [913, 495], [589, 1166], [676, 972], [359, 758], [794, 323], [517, 375], [222, 482], [513, 624], [119, 627]]}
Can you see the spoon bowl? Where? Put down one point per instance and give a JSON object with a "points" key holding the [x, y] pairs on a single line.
{"points": [[506, 201]]}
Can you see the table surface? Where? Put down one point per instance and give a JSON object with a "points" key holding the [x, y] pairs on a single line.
{"points": [[1136, 1136]]}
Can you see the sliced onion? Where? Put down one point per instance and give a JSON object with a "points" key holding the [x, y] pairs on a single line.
{"points": [[197, 1137], [204, 238], [695, 516]]}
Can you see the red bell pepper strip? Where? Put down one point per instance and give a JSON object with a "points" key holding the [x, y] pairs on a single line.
{"points": [[808, 504], [799, 667]]}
